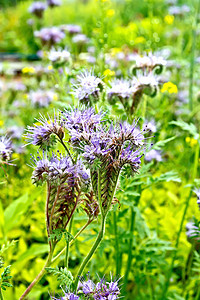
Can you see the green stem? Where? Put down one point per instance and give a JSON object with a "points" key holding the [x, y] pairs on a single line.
{"points": [[68, 152], [67, 244], [70, 244], [192, 61], [116, 243], [91, 252], [39, 276], [1, 295], [196, 159], [131, 230], [176, 246]]}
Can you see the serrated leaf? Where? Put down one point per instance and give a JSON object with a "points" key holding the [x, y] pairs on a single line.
{"points": [[191, 128], [159, 145]]}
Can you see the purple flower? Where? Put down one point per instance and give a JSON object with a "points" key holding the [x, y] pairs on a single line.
{"points": [[5, 149], [58, 168], [50, 36], [41, 98], [153, 154], [121, 89], [81, 123], [68, 296], [15, 132], [100, 291], [88, 86], [80, 39], [149, 61], [71, 28], [58, 56], [41, 134], [150, 125], [37, 8], [197, 192], [53, 3]]}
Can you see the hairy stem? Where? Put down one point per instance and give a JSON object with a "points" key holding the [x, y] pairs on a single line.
{"points": [[91, 252], [39, 276], [67, 245], [1, 295], [116, 243], [70, 244]]}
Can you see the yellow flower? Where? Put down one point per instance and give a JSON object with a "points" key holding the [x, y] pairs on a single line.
{"points": [[30, 70], [193, 142], [169, 87], [169, 19], [114, 51], [1, 123], [109, 73], [110, 13], [187, 139], [50, 67], [55, 97], [15, 155]]}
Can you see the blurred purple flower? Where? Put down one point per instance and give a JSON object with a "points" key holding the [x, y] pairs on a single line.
{"points": [[37, 8], [153, 154], [50, 36], [53, 3]]}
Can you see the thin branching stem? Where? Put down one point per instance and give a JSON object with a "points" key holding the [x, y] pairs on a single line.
{"points": [[67, 244], [70, 244], [68, 152], [39, 276], [192, 60]]}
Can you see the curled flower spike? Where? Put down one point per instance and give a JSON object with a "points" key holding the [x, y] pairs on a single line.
{"points": [[5, 149], [64, 186], [88, 87], [197, 192], [149, 62], [107, 150], [41, 134]]}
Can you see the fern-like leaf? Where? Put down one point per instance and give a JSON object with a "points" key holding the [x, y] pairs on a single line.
{"points": [[64, 276]]}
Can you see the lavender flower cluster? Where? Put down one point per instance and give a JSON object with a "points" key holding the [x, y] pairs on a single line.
{"points": [[37, 8], [89, 290], [50, 36]]}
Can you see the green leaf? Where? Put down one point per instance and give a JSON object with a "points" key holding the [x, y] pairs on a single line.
{"points": [[16, 210], [168, 176], [191, 128], [159, 145], [33, 251], [64, 276]]}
